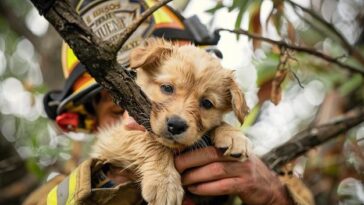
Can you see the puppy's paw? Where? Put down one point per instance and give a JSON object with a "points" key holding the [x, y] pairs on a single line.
{"points": [[156, 193], [232, 142]]}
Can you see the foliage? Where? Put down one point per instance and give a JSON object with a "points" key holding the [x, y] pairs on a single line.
{"points": [[23, 121]]}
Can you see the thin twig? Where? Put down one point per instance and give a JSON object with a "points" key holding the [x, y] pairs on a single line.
{"points": [[283, 59], [312, 137], [296, 48], [289, 54], [351, 50], [297, 79], [134, 26], [341, 57]]}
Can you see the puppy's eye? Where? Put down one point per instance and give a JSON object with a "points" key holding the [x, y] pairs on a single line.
{"points": [[207, 104], [167, 89], [117, 113]]}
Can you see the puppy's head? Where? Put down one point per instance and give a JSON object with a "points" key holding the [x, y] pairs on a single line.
{"points": [[189, 89]]}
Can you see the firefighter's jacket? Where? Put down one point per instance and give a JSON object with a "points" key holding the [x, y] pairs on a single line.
{"points": [[77, 189]]}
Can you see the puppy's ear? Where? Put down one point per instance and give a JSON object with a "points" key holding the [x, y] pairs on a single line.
{"points": [[150, 54], [238, 102]]}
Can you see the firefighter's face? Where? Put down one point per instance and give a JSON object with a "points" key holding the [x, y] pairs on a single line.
{"points": [[107, 112]]}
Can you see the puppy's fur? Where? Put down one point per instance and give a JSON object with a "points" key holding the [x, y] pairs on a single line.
{"points": [[199, 92]]}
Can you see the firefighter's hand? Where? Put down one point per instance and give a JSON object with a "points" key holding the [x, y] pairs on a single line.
{"points": [[207, 172], [120, 175], [130, 123]]}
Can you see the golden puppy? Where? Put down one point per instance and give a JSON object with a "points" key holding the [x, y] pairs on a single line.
{"points": [[190, 92]]}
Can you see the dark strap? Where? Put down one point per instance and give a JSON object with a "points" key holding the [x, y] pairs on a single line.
{"points": [[49, 108], [74, 75], [173, 34], [194, 31], [178, 34], [200, 32], [52, 99]]}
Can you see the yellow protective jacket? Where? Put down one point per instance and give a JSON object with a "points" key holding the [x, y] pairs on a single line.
{"points": [[76, 189]]}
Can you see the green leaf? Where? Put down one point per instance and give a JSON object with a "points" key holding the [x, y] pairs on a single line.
{"points": [[277, 21], [351, 85], [267, 68], [242, 5], [34, 168], [235, 5], [218, 6]]}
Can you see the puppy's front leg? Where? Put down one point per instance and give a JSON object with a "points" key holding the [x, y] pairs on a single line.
{"points": [[232, 141], [161, 183]]}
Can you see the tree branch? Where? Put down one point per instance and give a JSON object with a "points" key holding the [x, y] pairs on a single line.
{"points": [[297, 48], [15, 183], [312, 137], [99, 57], [351, 50], [130, 30]]}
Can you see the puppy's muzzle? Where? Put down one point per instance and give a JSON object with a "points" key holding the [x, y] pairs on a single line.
{"points": [[176, 125]]}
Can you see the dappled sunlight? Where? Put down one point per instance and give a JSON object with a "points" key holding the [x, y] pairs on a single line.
{"points": [[25, 49], [351, 192], [3, 62], [16, 100], [277, 124], [36, 23]]}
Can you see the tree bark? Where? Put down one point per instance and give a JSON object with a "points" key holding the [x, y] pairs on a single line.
{"points": [[311, 138]]}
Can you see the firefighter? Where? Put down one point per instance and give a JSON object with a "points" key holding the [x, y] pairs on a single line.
{"points": [[84, 106]]}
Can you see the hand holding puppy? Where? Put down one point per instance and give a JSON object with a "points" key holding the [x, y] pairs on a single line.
{"points": [[207, 172]]}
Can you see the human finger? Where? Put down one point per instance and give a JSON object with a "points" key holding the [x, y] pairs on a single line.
{"points": [[198, 158], [130, 123], [211, 172], [120, 175], [225, 186]]}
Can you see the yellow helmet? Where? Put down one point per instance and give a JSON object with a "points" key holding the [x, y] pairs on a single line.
{"points": [[108, 19]]}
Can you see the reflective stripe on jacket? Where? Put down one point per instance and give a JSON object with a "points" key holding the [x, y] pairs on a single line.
{"points": [[76, 189]]}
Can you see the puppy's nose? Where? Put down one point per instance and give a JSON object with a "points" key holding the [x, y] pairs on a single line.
{"points": [[176, 125]]}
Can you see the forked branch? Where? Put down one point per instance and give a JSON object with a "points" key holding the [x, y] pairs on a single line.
{"points": [[130, 29]]}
